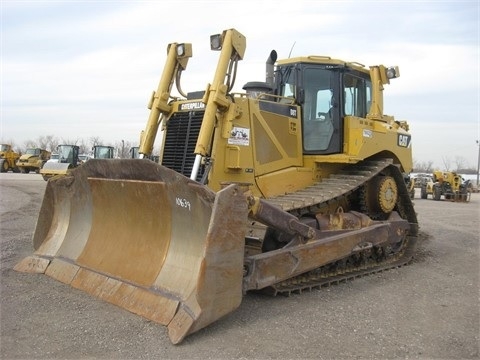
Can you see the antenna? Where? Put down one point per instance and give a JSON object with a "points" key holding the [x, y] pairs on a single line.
{"points": [[290, 53]]}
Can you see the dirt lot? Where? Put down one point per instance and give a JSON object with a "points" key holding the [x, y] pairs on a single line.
{"points": [[427, 310]]}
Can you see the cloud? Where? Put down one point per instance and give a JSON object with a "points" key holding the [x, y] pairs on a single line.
{"points": [[73, 68]]}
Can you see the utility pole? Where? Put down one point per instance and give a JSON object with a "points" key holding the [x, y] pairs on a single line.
{"points": [[478, 162], [123, 151]]}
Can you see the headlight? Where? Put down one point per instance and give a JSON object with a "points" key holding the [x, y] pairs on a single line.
{"points": [[393, 72], [216, 42], [180, 49]]}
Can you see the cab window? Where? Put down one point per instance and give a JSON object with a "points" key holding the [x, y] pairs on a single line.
{"points": [[358, 96]]}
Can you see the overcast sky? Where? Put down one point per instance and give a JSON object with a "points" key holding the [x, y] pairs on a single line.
{"points": [[82, 69]]}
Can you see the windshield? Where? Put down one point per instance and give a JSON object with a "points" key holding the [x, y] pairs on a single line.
{"points": [[66, 153], [33, 152], [318, 109], [316, 88], [4, 148], [134, 152], [287, 86], [103, 152]]}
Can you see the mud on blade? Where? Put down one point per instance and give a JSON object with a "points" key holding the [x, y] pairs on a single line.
{"points": [[145, 238]]}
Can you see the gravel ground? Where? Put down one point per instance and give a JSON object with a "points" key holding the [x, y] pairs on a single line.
{"points": [[427, 310]]}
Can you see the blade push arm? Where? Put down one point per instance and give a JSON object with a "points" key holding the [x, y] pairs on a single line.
{"points": [[232, 45], [177, 59]]}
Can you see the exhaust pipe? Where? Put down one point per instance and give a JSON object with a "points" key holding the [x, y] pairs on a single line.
{"points": [[270, 68]]}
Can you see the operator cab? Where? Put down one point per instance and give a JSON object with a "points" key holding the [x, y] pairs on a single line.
{"points": [[102, 152], [326, 93], [68, 154]]}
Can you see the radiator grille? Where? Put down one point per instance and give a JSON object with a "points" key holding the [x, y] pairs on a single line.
{"points": [[180, 140]]}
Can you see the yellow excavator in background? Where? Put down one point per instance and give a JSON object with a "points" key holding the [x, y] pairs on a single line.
{"points": [[295, 183]]}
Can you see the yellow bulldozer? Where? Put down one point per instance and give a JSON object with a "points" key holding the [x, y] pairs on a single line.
{"points": [[294, 183], [33, 160]]}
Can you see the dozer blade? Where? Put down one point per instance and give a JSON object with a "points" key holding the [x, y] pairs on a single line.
{"points": [[145, 238]]}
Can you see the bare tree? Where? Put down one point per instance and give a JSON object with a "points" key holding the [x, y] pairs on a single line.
{"points": [[83, 147], [52, 143], [429, 166], [42, 142], [460, 163], [446, 163], [123, 148], [67, 141], [423, 166], [29, 144], [48, 142], [95, 140]]}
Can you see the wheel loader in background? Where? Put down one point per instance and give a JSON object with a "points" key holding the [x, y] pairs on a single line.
{"points": [[33, 160], [8, 158], [296, 183], [68, 159], [449, 184]]}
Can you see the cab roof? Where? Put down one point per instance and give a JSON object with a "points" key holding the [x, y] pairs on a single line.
{"points": [[320, 59]]}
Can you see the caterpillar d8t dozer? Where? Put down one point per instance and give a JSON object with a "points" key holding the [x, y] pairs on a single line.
{"points": [[294, 183]]}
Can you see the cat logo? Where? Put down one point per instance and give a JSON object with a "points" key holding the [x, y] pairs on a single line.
{"points": [[404, 140]]}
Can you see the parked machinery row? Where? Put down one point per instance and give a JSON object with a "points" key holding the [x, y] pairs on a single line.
{"points": [[449, 184], [69, 158]]}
